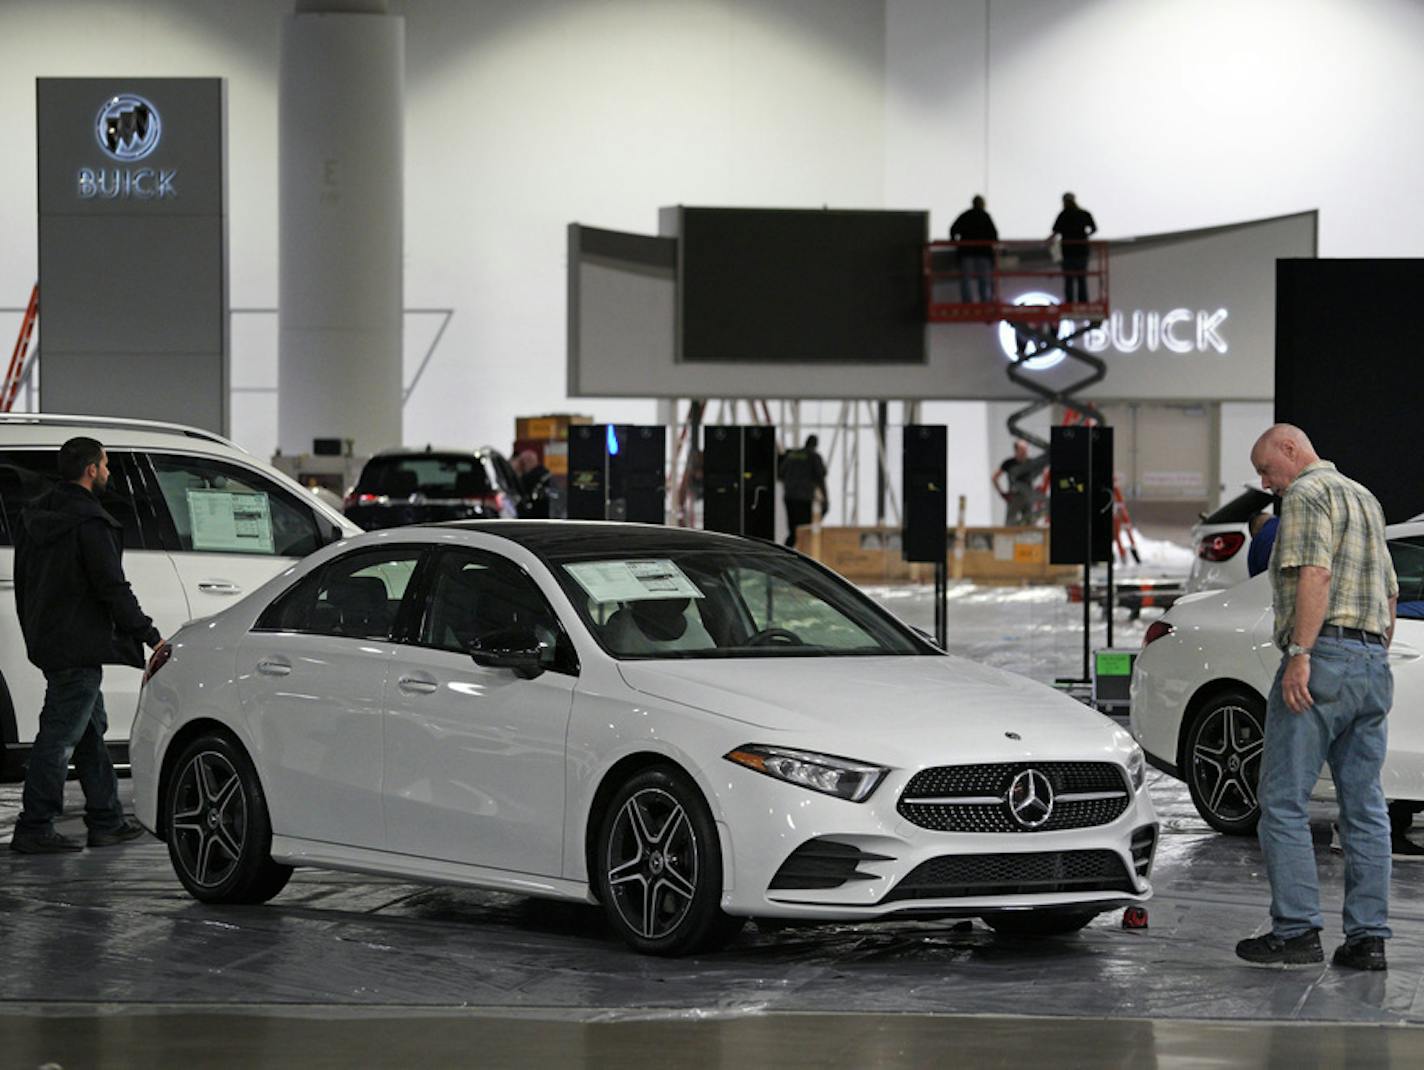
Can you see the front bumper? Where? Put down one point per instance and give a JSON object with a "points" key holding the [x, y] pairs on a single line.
{"points": [[872, 862]]}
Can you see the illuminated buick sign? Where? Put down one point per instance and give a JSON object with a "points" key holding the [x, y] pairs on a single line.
{"points": [[128, 129], [1178, 330]]}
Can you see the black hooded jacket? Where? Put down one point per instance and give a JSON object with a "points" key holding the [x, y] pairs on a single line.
{"points": [[75, 607]]}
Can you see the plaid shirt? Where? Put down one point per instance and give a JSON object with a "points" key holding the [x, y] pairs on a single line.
{"points": [[1336, 524]]}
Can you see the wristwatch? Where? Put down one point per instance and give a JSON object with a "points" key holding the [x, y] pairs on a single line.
{"points": [[1295, 650]]}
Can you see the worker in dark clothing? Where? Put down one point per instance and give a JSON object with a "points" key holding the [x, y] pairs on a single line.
{"points": [[1014, 481], [77, 613], [803, 475], [1074, 226], [976, 262], [533, 485]]}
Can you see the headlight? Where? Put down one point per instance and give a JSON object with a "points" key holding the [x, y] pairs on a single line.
{"points": [[1137, 767], [826, 773]]}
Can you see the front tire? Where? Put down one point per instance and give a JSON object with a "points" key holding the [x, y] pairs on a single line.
{"points": [[1222, 761], [219, 832], [659, 867], [1054, 922]]}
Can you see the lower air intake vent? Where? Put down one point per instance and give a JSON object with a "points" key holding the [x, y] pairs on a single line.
{"points": [[959, 876], [823, 864]]}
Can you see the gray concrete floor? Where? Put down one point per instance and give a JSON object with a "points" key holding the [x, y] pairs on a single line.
{"points": [[110, 963]]}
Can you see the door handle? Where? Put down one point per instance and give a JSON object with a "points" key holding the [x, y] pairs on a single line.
{"points": [[420, 685], [218, 587], [6, 583], [274, 667]]}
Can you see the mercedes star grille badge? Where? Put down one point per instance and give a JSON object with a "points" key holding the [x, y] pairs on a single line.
{"points": [[1030, 799]]}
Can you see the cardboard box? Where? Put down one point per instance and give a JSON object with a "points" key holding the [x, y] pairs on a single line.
{"points": [[553, 427], [991, 555]]}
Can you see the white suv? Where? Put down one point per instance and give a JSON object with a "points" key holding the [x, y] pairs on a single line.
{"points": [[204, 523]]}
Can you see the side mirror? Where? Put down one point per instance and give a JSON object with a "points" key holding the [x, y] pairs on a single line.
{"points": [[509, 648]]}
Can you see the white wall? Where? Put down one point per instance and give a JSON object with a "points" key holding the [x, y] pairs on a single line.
{"points": [[525, 115]]}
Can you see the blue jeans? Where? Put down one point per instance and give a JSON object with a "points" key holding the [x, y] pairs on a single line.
{"points": [[72, 721], [1353, 689]]}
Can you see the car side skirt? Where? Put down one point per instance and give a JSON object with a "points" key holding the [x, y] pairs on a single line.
{"points": [[298, 852]]}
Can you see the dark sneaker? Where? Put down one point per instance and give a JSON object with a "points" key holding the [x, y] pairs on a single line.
{"points": [[1271, 950], [1363, 953], [129, 830], [1403, 850], [47, 842]]}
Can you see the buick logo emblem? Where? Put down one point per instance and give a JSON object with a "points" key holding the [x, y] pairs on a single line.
{"points": [[128, 127], [1030, 799]]}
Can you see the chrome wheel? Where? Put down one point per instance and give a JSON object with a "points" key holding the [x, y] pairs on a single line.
{"points": [[652, 863], [1225, 765], [208, 818]]}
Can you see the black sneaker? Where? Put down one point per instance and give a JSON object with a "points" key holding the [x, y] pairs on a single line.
{"points": [[1271, 950], [1403, 850], [1362, 953], [129, 830], [47, 842]]}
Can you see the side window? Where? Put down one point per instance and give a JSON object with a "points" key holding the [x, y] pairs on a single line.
{"points": [[224, 508], [1408, 556], [473, 595], [27, 474], [358, 596]]}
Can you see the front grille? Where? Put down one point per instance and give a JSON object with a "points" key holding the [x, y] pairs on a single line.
{"points": [[959, 876], [976, 785], [823, 864]]}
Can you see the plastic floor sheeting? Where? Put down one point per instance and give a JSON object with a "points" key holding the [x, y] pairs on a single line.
{"points": [[109, 934], [113, 926]]}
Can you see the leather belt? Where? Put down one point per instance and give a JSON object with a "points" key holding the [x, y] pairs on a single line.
{"points": [[1337, 631]]}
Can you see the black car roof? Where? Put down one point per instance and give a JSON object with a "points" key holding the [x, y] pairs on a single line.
{"points": [[592, 538]]}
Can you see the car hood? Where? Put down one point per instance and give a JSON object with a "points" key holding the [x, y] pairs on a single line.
{"points": [[892, 708]]}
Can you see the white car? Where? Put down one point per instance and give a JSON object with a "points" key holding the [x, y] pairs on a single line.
{"points": [[688, 727], [1221, 541], [179, 493], [1199, 690]]}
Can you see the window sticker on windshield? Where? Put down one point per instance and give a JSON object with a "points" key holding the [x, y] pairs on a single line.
{"points": [[226, 520], [632, 581]]}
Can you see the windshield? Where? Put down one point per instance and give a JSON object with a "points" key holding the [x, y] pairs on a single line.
{"points": [[737, 604], [431, 474]]}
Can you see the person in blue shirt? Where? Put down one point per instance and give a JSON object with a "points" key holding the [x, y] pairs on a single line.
{"points": [[1263, 538]]}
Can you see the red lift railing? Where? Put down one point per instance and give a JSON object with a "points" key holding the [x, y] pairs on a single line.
{"points": [[955, 274], [15, 373]]}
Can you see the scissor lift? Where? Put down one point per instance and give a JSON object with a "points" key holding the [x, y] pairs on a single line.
{"points": [[1024, 281]]}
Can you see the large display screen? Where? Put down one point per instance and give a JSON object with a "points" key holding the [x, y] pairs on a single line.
{"points": [[801, 287], [1347, 370]]}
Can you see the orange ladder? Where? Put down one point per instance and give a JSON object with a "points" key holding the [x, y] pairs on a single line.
{"points": [[15, 373]]}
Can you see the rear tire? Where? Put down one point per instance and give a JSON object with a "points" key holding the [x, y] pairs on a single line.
{"points": [[658, 867], [219, 832], [1221, 761], [1055, 922]]}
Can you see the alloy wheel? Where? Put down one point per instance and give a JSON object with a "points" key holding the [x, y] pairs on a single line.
{"points": [[652, 863], [1226, 762], [209, 818]]}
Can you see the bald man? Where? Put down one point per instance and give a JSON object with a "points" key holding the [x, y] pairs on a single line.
{"points": [[1334, 591]]}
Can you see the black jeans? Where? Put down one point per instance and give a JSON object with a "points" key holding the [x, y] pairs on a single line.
{"points": [[798, 512], [72, 721], [1075, 279]]}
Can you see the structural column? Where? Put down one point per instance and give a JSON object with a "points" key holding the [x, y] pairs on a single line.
{"points": [[341, 201]]}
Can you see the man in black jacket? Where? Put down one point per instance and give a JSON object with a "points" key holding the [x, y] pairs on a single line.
{"points": [[974, 227], [78, 614]]}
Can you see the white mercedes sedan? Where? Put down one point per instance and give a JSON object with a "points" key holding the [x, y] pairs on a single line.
{"points": [[1199, 688], [688, 728]]}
